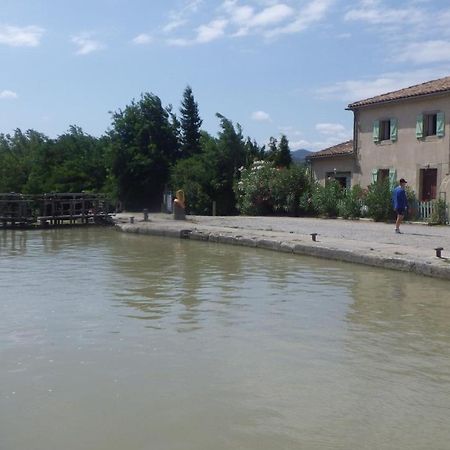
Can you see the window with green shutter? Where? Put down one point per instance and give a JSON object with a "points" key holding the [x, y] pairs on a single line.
{"points": [[440, 124], [394, 129], [374, 175], [392, 177], [376, 131], [419, 126]]}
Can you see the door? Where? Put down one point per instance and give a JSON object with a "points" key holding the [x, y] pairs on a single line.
{"points": [[429, 183]]}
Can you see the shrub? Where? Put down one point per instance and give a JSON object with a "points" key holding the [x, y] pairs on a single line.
{"points": [[439, 214], [252, 191], [351, 203], [286, 188], [379, 201], [325, 200], [264, 189]]}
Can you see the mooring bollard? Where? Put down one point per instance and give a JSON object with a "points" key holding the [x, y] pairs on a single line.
{"points": [[438, 251], [145, 215], [313, 236], [131, 219]]}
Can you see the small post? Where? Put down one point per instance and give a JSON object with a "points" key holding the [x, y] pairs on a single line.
{"points": [[438, 251], [313, 236], [214, 206], [145, 215], [132, 219]]}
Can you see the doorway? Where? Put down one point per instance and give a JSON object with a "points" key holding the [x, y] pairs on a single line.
{"points": [[429, 184]]}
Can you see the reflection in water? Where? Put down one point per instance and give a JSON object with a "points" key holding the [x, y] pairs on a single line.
{"points": [[113, 341]]}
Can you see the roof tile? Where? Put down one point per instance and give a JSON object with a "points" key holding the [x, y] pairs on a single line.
{"points": [[430, 87], [345, 148]]}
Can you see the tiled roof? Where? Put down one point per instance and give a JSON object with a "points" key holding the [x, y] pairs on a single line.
{"points": [[430, 87], [345, 148]]}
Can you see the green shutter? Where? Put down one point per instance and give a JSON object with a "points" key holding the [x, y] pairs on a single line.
{"points": [[419, 126], [376, 131], [394, 129], [440, 124], [374, 175], [392, 177]]}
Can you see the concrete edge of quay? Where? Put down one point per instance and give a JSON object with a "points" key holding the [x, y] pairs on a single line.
{"points": [[437, 269]]}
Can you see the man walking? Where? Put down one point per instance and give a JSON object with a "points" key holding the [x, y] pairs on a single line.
{"points": [[400, 203]]}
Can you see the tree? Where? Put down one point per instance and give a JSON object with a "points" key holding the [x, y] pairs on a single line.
{"points": [[283, 155], [190, 125], [143, 148]]}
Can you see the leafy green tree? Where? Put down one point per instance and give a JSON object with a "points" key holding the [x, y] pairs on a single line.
{"points": [[190, 124], [143, 148]]}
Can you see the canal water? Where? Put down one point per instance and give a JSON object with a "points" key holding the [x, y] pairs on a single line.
{"points": [[112, 341]]}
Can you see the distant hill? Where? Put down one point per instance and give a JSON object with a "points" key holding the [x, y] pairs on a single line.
{"points": [[299, 155]]}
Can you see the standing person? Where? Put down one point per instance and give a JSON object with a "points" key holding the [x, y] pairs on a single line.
{"points": [[400, 203]]}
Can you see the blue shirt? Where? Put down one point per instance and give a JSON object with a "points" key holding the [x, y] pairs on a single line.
{"points": [[399, 198]]}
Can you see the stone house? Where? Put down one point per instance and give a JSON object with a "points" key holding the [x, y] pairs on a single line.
{"points": [[400, 134]]}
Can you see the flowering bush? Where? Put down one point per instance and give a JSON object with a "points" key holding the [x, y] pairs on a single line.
{"points": [[264, 189], [253, 190]]}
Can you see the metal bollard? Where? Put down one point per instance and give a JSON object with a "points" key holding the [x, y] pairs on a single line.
{"points": [[132, 219], [438, 251], [145, 215], [313, 236]]}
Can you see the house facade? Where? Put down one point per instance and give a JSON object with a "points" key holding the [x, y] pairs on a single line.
{"points": [[400, 134], [337, 162]]}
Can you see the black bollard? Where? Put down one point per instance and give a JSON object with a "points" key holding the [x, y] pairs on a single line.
{"points": [[438, 251], [313, 236]]}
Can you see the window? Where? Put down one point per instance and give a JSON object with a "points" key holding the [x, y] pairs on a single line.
{"points": [[380, 175], [343, 178], [430, 124], [385, 130], [383, 174]]}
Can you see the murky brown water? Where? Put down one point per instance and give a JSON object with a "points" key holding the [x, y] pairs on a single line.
{"points": [[111, 341]]}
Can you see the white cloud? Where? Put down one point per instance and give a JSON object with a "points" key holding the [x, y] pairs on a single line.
{"points": [[211, 31], [261, 116], [21, 36], [426, 52], [205, 33], [330, 128], [179, 18], [6, 94], [86, 44], [313, 12], [354, 90], [142, 39], [375, 13]]}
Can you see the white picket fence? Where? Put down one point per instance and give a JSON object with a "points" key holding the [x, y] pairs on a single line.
{"points": [[425, 210]]}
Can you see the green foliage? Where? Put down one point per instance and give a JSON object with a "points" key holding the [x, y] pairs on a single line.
{"points": [[253, 190], [279, 152], [143, 147], [31, 163], [379, 201], [287, 187], [190, 125], [439, 214], [351, 202], [325, 199], [264, 189], [196, 176]]}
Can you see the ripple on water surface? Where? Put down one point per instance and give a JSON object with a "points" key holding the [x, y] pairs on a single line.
{"points": [[113, 341]]}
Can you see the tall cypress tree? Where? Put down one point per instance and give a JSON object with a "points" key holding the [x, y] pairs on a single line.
{"points": [[190, 125], [283, 157]]}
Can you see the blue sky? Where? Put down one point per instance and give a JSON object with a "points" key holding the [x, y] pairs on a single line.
{"points": [[274, 66]]}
